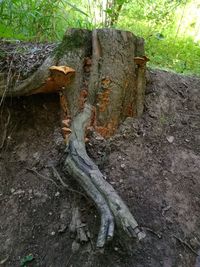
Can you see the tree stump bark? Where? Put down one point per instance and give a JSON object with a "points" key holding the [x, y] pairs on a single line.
{"points": [[104, 83]]}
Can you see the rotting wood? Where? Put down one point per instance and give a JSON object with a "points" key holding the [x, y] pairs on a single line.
{"points": [[108, 202], [106, 81], [78, 228]]}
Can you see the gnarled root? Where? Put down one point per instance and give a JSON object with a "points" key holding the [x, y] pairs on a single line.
{"points": [[110, 206]]}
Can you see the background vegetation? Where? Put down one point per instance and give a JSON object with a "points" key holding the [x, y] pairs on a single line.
{"points": [[171, 28]]}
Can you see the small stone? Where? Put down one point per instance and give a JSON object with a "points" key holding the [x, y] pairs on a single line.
{"points": [[99, 138], [53, 233], [187, 140], [12, 190], [36, 156], [194, 242], [170, 139], [121, 180], [50, 213], [19, 192], [75, 246], [57, 194], [119, 157], [123, 166], [116, 248]]}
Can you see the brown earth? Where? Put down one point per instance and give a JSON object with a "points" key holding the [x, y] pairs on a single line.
{"points": [[153, 162]]}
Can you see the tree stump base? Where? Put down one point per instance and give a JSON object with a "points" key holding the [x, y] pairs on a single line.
{"points": [[100, 75]]}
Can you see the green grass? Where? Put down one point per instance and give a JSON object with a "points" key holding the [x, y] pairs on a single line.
{"points": [[181, 54], [47, 20], [169, 43]]}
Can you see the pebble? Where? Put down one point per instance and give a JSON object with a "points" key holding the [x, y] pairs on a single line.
{"points": [[194, 242], [99, 138], [75, 246], [170, 139], [123, 166], [36, 156], [18, 192], [57, 194]]}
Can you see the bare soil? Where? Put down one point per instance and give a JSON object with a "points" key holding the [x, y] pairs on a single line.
{"points": [[153, 162]]}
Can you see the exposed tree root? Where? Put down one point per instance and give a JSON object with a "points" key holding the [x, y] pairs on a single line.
{"points": [[110, 206]]}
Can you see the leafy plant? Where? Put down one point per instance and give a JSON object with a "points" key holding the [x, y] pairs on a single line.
{"points": [[26, 260], [170, 28]]}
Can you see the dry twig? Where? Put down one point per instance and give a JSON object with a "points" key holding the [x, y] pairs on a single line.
{"points": [[42, 176], [57, 175], [186, 244], [152, 231]]}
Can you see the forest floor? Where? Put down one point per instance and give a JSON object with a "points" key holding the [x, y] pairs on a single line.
{"points": [[153, 162]]}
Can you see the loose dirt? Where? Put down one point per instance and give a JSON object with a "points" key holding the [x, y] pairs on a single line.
{"points": [[153, 162]]}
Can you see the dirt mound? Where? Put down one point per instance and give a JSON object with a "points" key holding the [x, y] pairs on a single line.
{"points": [[153, 162]]}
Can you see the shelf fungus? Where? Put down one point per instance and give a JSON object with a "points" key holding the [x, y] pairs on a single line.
{"points": [[60, 77], [141, 61]]}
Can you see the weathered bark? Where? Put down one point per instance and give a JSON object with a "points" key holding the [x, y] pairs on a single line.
{"points": [[105, 68], [116, 78]]}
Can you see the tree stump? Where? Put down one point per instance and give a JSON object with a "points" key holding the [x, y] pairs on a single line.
{"points": [[100, 76]]}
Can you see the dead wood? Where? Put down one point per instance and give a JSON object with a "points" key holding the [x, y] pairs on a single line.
{"points": [[111, 207], [76, 226], [108, 86]]}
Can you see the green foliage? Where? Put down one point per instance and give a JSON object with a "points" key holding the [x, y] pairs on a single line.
{"points": [[180, 54], [30, 19], [164, 25], [170, 28], [39, 20], [26, 260]]}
